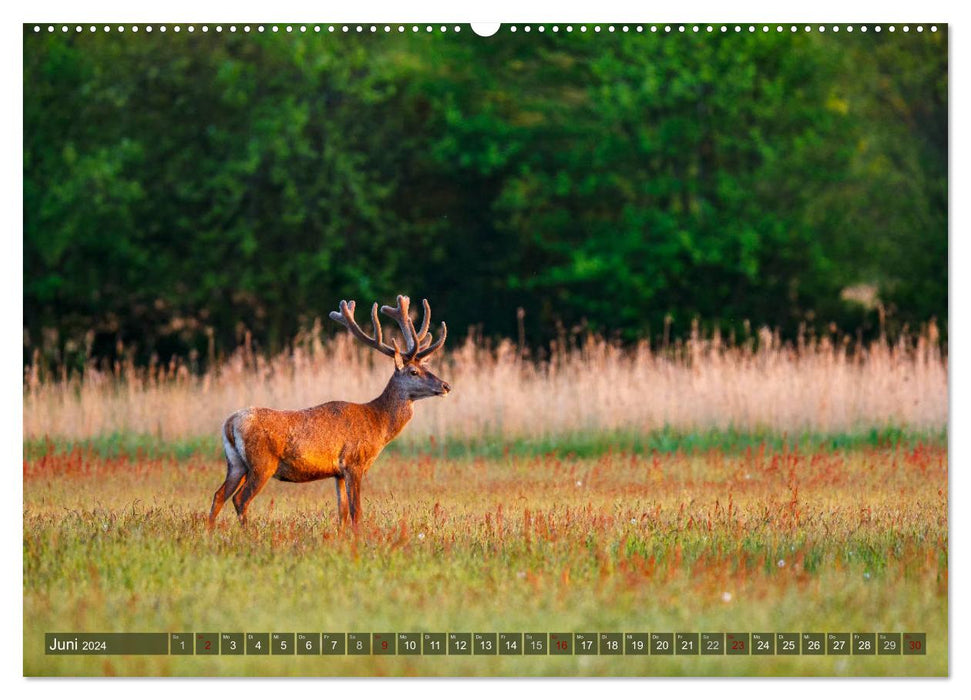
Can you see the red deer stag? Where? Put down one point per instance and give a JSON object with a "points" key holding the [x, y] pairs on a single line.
{"points": [[335, 439]]}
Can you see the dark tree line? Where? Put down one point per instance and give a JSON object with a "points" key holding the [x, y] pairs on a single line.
{"points": [[185, 189]]}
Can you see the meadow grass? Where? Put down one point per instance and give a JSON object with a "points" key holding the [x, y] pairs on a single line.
{"points": [[663, 441], [827, 540]]}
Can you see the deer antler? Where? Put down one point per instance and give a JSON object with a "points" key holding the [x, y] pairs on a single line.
{"points": [[431, 347], [425, 345], [401, 317], [425, 320], [345, 317], [418, 342]]}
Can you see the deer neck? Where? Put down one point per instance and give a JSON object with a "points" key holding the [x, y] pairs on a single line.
{"points": [[394, 408]]}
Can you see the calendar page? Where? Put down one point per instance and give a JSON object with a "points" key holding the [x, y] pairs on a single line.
{"points": [[525, 349]]}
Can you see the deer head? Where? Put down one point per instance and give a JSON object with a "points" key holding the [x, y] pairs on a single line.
{"points": [[412, 379]]}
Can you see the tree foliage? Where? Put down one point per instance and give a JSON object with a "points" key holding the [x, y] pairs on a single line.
{"points": [[184, 187]]}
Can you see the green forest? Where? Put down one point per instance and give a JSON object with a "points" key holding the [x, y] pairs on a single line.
{"points": [[183, 191]]}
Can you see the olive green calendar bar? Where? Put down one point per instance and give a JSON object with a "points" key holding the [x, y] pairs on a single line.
{"points": [[488, 643]]}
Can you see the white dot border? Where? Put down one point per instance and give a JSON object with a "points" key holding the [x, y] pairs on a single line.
{"points": [[430, 29]]}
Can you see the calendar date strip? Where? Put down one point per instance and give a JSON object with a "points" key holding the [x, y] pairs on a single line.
{"points": [[487, 643]]}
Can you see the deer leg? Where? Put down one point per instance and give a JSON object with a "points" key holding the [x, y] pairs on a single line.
{"points": [[354, 495], [342, 504], [254, 484], [235, 476], [237, 497], [228, 488]]}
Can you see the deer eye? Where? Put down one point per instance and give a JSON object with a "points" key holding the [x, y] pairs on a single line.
{"points": [[413, 372]]}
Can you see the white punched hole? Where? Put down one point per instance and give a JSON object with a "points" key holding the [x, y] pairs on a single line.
{"points": [[485, 29]]}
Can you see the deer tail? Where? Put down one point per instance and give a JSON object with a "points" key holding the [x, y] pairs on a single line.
{"points": [[233, 444]]}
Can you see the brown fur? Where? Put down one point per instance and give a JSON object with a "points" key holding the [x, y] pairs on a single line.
{"points": [[337, 439]]}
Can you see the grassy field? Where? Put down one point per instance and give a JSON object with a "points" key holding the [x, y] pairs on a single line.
{"points": [[722, 540], [702, 487]]}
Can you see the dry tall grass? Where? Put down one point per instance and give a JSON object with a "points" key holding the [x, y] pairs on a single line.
{"points": [[815, 385]]}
